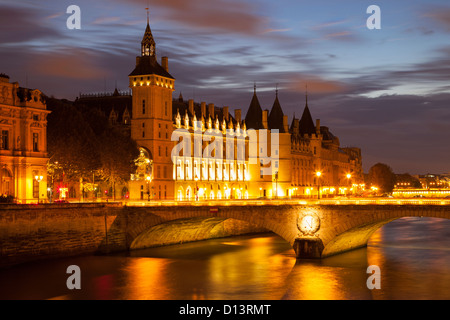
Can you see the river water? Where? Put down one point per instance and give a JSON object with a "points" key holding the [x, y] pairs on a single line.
{"points": [[413, 255]]}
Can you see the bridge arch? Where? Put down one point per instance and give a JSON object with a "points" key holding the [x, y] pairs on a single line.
{"points": [[355, 227], [192, 229], [140, 224], [342, 227]]}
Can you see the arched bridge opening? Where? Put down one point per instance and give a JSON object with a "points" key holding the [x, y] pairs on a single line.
{"points": [[314, 231], [192, 229]]}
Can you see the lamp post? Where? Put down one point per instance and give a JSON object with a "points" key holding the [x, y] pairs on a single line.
{"points": [[318, 174], [49, 193], [276, 185], [38, 179], [348, 182], [196, 188], [149, 179]]}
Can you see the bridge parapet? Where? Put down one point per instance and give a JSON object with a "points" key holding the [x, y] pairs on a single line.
{"points": [[277, 202]]}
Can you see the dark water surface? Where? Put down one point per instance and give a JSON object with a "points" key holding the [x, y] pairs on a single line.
{"points": [[413, 255]]}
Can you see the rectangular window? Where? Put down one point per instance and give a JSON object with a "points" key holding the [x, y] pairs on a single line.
{"points": [[35, 142], [143, 106], [179, 170], [35, 189], [5, 139]]}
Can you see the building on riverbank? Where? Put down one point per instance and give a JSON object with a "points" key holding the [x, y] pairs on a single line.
{"points": [[23, 148]]}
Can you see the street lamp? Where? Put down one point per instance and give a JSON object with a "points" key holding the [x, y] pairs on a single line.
{"points": [[276, 185], [38, 179], [49, 194], [318, 174], [148, 178], [348, 182]]}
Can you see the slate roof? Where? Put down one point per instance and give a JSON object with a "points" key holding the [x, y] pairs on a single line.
{"points": [[253, 118], [275, 119], [149, 65], [306, 125]]}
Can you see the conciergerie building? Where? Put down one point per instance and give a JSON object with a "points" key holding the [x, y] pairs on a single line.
{"points": [[199, 151]]}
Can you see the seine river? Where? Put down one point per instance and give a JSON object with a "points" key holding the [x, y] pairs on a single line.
{"points": [[413, 255]]}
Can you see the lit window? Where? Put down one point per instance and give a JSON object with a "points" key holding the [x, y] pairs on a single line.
{"points": [[5, 140], [35, 142]]}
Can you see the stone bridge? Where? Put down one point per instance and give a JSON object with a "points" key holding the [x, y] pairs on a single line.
{"points": [[313, 230]]}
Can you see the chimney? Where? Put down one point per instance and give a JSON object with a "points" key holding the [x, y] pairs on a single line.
{"points": [[165, 63], [225, 113], [191, 107], [203, 107], [317, 126], [296, 126], [211, 110], [237, 115], [264, 118], [138, 59], [285, 123]]}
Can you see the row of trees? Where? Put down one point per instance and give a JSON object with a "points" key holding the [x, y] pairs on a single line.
{"points": [[382, 176], [83, 146]]}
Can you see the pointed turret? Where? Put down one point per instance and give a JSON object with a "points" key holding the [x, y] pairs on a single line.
{"points": [[148, 43], [146, 64], [306, 125], [253, 118], [276, 115]]}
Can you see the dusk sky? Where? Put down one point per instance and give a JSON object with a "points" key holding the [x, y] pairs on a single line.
{"points": [[386, 91]]}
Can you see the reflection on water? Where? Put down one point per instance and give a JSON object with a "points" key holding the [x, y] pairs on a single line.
{"points": [[413, 255]]}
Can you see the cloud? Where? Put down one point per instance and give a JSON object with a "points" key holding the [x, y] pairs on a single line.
{"points": [[440, 15], [24, 25], [229, 16], [397, 129], [277, 30], [298, 83], [334, 31], [71, 63], [106, 20]]}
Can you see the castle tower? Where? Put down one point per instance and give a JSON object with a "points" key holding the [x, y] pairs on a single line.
{"points": [[151, 125]]}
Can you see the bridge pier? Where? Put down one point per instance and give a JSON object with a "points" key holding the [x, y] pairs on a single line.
{"points": [[308, 248]]}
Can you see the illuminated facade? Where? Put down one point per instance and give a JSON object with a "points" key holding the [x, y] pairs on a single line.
{"points": [[198, 151], [23, 150]]}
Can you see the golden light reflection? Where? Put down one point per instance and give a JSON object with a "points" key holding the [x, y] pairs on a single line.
{"points": [[254, 266], [147, 279], [313, 282]]}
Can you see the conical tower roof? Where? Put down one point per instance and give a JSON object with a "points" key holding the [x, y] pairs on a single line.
{"points": [[253, 118], [306, 125], [276, 116]]}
